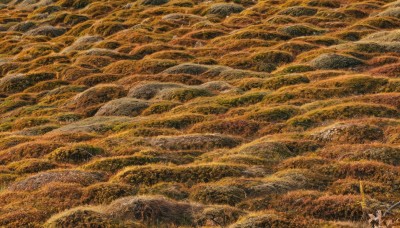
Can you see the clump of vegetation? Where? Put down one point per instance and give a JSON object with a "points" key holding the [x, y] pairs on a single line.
{"points": [[391, 70], [210, 109], [83, 217], [219, 215], [273, 57], [19, 82], [75, 154], [28, 150], [124, 67], [231, 127], [97, 95], [46, 85], [10, 141], [122, 107], [96, 9], [152, 209], [37, 181], [160, 107], [374, 151], [107, 29], [215, 194], [104, 193], [74, 19], [176, 121], [205, 34], [171, 190], [195, 142], [28, 122], [335, 61], [242, 100], [96, 79], [149, 175], [298, 11], [344, 111], [324, 3], [342, 207], [153, 2], [363, 170], [274, 114], [177, 55], [390, 13], [301, 30], [49, 31], [184, 94], [302, 162], [149, 90], [352, 133], [31, 166], [225, 9], [265, 219], [22, 218], [114, 164], [93, 60], [260, 152], [352, 187], [187, 68]]}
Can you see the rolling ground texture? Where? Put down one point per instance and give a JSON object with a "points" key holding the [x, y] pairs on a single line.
{"points": [[187, 113]]}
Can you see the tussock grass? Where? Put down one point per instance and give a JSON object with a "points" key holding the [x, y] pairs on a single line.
{"points": [[28, 150], [350, 133], [185, 174], [31, 166], [75, 154], [37, 181], [183, 113]]}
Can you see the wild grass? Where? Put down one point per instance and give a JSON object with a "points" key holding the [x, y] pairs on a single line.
{"points": [[184, 113]]}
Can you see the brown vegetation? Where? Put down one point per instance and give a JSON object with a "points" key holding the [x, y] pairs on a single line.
{"points": [[184, 113]]}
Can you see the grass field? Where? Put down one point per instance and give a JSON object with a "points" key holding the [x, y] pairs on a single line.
{"points": [[188, 113]]}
